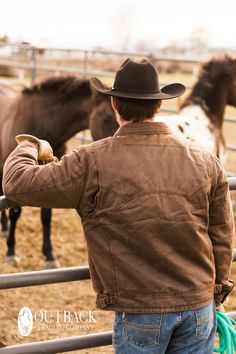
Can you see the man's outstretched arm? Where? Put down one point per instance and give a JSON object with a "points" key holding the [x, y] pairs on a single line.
{"points": [[54, 185]]}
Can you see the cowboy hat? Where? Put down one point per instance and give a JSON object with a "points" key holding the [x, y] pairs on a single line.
{"points": [[139, 80]]}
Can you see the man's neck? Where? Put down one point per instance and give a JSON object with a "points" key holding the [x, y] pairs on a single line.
{"points": [[123, 122]]}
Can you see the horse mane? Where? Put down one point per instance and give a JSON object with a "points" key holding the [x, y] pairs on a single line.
{"points": [[64, 87], [210, 73]]}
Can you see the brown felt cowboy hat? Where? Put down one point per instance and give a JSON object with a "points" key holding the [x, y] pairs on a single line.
{"points": [[138, 79]]}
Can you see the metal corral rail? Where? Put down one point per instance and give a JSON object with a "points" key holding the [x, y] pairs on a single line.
{"points": [[84, 69], [61, 345], [24, 279], [33, 65]]}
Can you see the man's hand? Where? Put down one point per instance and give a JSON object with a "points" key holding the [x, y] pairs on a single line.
{"points": [[45, 152], [220, 308]]}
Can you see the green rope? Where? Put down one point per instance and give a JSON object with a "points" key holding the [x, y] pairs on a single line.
{"points": [[227, 334]]}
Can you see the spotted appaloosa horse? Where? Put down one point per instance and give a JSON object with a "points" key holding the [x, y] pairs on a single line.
{"points": [[201, 115], [54, 110]]}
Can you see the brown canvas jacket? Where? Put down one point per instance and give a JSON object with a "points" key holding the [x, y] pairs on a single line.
{"points": [[156, 214]]}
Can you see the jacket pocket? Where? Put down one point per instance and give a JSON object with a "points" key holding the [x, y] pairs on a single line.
{"points": [[142, 330], [205, 321]]}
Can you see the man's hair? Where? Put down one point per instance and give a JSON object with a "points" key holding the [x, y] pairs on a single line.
{"points": [[136, 110]]}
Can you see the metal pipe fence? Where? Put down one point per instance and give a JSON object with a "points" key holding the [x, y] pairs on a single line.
{"points": [[33, 65], [43, 277], [50, 276], [84, 69], [61, 345]]}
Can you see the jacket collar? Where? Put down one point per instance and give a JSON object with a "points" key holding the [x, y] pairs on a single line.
{"points": [[143, 128]]}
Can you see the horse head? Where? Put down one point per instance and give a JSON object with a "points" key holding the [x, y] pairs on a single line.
{"points": [[58, 108], [215, 88], [222, 74], [222, 71], [102, 122], [232, 84]]}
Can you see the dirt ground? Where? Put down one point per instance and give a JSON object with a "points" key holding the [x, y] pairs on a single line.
{"points": [[70, 250]]}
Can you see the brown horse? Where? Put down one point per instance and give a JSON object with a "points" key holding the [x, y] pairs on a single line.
{"points": [[9, 91], [54, 110], [202, 113]]}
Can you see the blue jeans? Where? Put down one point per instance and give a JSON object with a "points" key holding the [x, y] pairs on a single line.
{"points": [[173, 332]]}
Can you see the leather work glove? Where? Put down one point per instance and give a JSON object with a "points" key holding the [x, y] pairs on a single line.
{"points": [[2, 344], [45, 152], [221, 293]]}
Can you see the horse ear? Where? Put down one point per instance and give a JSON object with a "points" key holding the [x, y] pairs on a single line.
{"points": [[99, 97], [219, 68]]}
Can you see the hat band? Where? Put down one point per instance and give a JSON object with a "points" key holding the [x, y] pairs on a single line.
{"points": [[135, 92]]}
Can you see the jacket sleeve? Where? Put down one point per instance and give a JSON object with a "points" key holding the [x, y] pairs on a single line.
{"points": [[221, 232], [54, 185]]}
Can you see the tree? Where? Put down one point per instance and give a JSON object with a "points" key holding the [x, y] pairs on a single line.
{"points": [[122, 24], [199, 39], [4, 39]]}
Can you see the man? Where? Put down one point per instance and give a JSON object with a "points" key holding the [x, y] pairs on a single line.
{"points": [[156, 215]]}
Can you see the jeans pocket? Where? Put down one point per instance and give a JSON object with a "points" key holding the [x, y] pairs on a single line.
{"points": [[205, 321], [142, 330]]}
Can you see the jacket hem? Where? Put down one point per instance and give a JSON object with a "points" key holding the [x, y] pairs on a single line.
{"points": [[155, 309]]}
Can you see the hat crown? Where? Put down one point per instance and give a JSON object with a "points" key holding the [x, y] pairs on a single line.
{"points": [[138, 80], [137, 77]]}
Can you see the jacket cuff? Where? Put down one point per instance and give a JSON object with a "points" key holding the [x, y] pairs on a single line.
{"points": [[29, 143], [222, 291]]}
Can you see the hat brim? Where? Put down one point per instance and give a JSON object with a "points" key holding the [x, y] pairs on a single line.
{"points": [[167, 92]]}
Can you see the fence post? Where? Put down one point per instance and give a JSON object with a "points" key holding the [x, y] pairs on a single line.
{"points": [[152, 58], [85, 64], [33, 64]]}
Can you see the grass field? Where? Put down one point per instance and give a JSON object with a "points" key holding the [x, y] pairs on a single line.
{"points": [[70, 250]]}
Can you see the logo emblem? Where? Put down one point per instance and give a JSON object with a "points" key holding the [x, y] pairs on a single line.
{"points": [[25, 321]]}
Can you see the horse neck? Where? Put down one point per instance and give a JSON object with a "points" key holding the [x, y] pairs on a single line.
{"points": [[217, 102], [211, 98], [58, 121], [73, 118]]}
